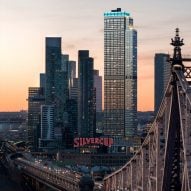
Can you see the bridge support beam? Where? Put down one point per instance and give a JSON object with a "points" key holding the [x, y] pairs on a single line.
{"points": [[35, 184]]}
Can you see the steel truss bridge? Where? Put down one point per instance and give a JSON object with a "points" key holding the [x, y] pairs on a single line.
{"points": [[163, 162], [39, 176]]}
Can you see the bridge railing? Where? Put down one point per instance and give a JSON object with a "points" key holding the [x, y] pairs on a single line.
{"points": [[147, 170], [143, 171], [59, 179]]}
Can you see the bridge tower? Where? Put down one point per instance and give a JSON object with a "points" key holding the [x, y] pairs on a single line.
{"points": [[172, 169]]}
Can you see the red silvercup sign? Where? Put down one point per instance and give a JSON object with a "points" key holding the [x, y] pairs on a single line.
{"points": [[79, 142]]}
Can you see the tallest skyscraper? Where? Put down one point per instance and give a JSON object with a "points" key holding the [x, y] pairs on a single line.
{"points": [[120, 74]]}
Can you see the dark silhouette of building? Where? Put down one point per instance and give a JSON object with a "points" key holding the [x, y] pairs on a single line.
{"points": [[36, 98], [53, 64], [74, 89], [86, 105], [56, 79], [71, 130], [43, 80], [98, 87]]}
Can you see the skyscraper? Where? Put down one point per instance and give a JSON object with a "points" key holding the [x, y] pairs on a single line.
{"points": [[53, 64], [35, 100], [98, 88], [56, 91], [162, 76], [47, 126], [86, 111], [120, 74]]}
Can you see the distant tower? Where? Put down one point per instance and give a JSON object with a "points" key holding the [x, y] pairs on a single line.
{"points": [[65, 60], [35, 100], [98, 89], [120, 74], [53, 64], [86, 113], [162, 76]]}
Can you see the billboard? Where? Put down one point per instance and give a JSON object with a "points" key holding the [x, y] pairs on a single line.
{"points": [[80, 142]]}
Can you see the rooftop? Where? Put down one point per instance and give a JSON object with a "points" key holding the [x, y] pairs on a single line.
{"points": [[116, 13]]}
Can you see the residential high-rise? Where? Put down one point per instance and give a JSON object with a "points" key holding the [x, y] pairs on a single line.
{"points": [[47, 126], [162, 76], [98, 88], [120, 74], [47, 122], [35, 100], [86, 111], [56, 91]]}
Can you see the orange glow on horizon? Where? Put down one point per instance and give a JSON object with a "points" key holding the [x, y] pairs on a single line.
{"points": [[14, 98]]}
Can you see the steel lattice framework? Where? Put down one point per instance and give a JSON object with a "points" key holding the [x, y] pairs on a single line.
{"points": [[163, 162]]}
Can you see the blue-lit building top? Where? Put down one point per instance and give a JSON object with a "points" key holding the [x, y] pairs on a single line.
{"points": [[116, 13]]}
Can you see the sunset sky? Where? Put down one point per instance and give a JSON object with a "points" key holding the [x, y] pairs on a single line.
{"points": [[24, 24]]}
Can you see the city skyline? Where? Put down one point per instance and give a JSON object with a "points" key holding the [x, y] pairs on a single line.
{"points": [[24, 26]]}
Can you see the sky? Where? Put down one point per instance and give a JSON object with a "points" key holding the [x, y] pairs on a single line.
{"points": [[24, 24]]}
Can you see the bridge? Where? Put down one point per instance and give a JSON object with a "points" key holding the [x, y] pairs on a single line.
{"points": [[163, 162], [41, 176]]}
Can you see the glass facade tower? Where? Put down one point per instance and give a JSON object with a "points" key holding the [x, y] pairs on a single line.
{"points": [[86, 109], [162, 76], [120, 74], [53, 64], [56, 90]]}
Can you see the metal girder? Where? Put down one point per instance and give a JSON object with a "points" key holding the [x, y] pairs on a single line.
{"points": [[171, 177], [163, 162]]}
